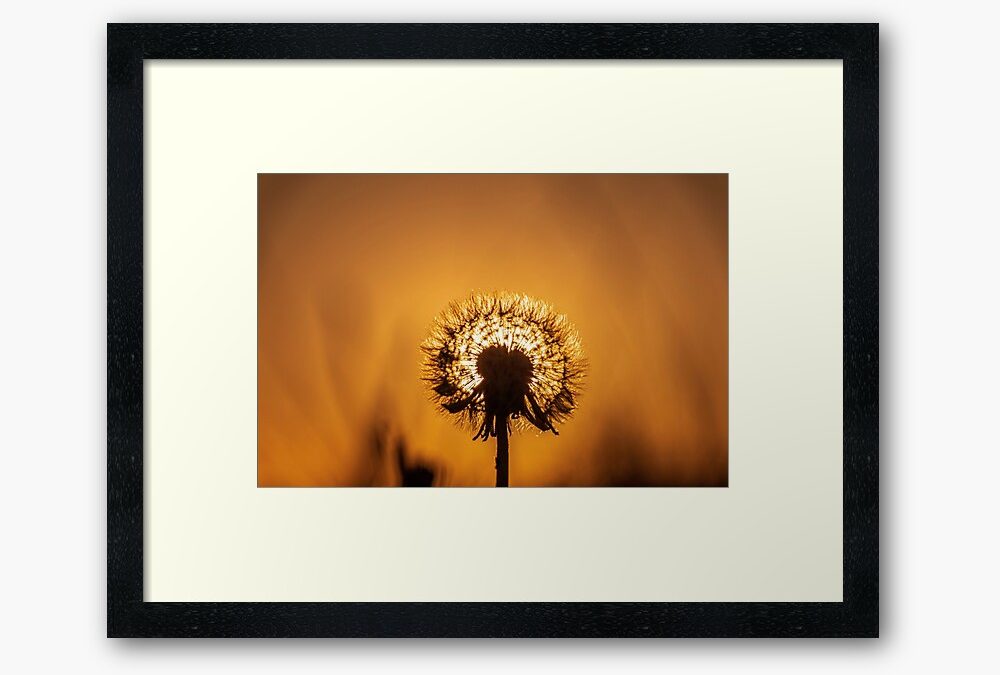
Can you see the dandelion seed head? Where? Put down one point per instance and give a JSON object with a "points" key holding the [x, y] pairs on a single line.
{"points": [[503, 354]]}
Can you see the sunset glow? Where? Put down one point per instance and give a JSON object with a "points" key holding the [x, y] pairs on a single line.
{"points": [[630, 269]]}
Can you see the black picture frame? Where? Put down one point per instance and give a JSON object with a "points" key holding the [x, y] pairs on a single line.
{"points": [[129, 45]]}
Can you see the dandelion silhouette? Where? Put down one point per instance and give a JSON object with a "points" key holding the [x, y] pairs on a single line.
{"points": [[503, 361]]}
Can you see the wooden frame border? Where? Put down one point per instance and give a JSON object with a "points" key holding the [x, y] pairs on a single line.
{"points": [[130, 44]]}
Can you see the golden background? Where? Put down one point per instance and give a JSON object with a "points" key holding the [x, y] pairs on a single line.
{"points": [[353, 268]]}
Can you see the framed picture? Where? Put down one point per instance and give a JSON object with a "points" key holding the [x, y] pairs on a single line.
{"points": [[607, 293]]}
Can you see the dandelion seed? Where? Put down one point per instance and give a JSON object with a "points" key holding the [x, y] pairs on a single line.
{"points": [[502, 361]]}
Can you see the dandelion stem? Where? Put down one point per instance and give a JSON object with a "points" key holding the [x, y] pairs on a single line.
{"points": [[502, 450]]}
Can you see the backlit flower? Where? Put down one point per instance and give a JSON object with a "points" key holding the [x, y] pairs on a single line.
{"points": [[498, 358]]}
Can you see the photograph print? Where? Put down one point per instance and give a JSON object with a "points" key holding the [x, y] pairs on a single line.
{"points": [[493, 330]]}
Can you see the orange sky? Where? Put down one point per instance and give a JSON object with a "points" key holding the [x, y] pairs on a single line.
{"points": [[353, 268]]}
